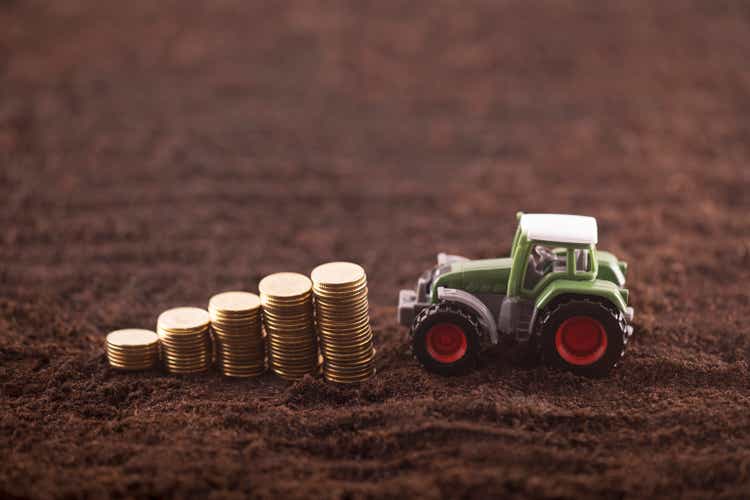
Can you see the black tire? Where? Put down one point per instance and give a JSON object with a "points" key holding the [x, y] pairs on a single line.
{"points": [[597, 326], [446, 320]]}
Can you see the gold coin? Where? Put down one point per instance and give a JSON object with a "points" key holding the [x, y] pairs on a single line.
{"points": [[132, 356], [175, 367], [337, 274], [291, 349], [242, 337], [285, 285], [351, 365], [355, 292], [187, 371], [199, 345], [291, 331], [252, 331], [247, 356], [293, 372], [363, 348], [255, 353], [362, 370], [184, 350], [132, 337], [358, 372], [344, 315], [133, 365], [300, 354], [182, 336], [234, 322], [354, 376], [249, 342], [135, 348], [288, 317], [344, 339], [341, 328], [230, 372], [303, 306], [182, 319], [295, 330], [349, 361], [334, 346], [192, 358], [186, 368], [302, 313], [332, 304], [242, 365], [234, 302]]}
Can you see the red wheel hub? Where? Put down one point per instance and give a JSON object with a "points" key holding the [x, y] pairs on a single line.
{"points": [[446, 342], [581, 340]]}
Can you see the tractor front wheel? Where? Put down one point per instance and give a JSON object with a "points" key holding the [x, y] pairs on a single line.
{"points": [[445, 339], [586, 337]]}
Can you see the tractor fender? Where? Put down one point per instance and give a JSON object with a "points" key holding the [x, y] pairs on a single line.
{"points": [[597, 288], [474, 304]]}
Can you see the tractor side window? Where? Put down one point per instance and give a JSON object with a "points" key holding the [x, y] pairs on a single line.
{"points": [[542, 261], [583, 263]]}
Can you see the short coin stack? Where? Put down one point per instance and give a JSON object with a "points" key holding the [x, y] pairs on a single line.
{"points": [[185, 340], [290, 325], [343, 322], [238, 336], [132, 349]]}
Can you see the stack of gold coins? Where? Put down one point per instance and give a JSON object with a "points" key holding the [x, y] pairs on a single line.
{"points": [[238, 336], [185, 340], [132, 349], [290, 325], [343, 322]]}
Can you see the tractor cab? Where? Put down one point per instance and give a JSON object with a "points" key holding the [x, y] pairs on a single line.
{"points": [[548, 247]]}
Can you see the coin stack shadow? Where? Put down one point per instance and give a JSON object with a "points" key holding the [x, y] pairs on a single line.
{"points": [[238, 335], [343, 322], [132, 349], [185, 340], [289, 322]]}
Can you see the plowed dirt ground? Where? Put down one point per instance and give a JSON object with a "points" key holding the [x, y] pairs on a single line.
{"points": [[154, 153]]}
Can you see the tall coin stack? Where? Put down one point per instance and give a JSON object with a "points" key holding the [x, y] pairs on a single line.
{"points": [[132, 349], [238, 335], [343, 322], [185, 340], [290, 325]]}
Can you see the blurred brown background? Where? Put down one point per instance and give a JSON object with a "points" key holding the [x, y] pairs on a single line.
{"points": [[153, 153]]}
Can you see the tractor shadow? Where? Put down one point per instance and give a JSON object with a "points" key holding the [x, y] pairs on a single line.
{"points": [[510, 355]]}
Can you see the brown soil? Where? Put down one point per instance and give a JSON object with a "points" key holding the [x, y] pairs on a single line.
{"points": [[152, 153]]}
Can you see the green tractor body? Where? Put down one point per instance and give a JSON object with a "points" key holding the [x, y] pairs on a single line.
{"points": [[554, 264]]}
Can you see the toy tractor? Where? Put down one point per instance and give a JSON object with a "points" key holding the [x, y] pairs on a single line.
{"points": [[556, 290]]}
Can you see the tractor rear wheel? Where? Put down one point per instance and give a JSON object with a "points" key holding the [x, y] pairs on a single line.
{"points": [[445, 339], [586, 337]]}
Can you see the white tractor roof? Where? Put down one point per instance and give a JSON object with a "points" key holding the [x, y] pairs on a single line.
{"points": [[575, 229]]}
